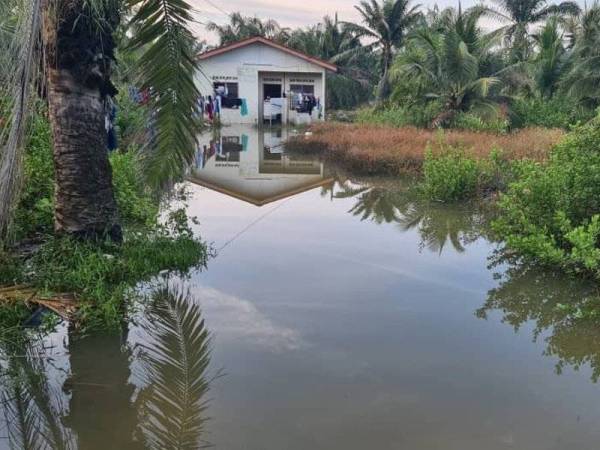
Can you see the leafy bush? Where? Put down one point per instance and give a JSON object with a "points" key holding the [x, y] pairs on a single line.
{"points": [[105, 274], [449, 176], [454, 175], [137, 205], [472, 122], [130, 121], [34, 213], [558, 112], [551, 215], [398, 116]]}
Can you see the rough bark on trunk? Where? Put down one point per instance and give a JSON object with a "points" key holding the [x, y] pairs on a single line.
{"points": [[78, 76], [84, 200]]}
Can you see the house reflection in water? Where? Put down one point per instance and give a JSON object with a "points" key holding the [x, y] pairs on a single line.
{"points": [[250, 164]]}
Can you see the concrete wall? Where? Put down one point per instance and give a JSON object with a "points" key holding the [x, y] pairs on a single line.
{"points": [[249, 66]]}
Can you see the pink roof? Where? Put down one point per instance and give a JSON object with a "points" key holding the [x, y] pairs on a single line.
{"points": [[270, 43]]}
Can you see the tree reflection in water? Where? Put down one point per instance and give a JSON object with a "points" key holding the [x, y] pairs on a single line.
{"points": [[563, 309], [148, 394], [32, 406], [437, 224]]}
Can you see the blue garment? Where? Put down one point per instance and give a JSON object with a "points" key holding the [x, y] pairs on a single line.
{"points": [[244, 108], [112, 143], [244, 142]]}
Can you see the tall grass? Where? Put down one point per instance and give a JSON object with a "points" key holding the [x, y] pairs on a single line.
{"points": [[374, 149]]}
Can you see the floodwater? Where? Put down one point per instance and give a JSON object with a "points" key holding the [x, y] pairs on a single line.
{"points": [[342, 314]]}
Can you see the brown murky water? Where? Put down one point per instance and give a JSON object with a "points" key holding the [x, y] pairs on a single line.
{"points": [[341, 316]]}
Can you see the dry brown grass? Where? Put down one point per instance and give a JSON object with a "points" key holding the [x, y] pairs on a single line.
{"points": [[381, 149]]}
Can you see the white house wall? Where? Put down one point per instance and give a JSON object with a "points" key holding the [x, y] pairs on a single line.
{"points": [[245, 66]]}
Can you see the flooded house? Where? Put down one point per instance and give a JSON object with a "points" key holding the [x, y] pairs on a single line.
{"points": [[259, 81]]}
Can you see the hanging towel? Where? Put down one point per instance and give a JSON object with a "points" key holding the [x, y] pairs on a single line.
{"points": [[244, 108], [244, 142]]}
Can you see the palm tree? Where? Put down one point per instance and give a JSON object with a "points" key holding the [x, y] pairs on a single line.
{"points": [[243, 27], [333, 41], [387, 25], [520, 15], [583, 79], [76, 47], [450, 64], [550, 58]]}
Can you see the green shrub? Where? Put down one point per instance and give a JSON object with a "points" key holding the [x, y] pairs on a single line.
{"points": [[558, 112], [551, 214], [453, 175], [450, 176], [130, 121], [34, 214], [398, 116], [472, 122], [137, 204], [104, 275]]}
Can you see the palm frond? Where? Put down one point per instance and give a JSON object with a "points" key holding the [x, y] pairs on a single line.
{"points": [[31, 406], [16, 85], [162, 34], [175, 359]]}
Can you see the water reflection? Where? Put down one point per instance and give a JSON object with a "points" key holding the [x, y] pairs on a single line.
{"points": [[437, 224], [32, 406], [562, 309], [250, 164], [144, 389]]}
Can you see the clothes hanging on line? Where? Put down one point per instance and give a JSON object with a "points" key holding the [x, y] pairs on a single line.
{"points": [[244, 107]]}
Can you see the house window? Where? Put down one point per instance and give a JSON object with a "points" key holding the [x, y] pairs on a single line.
{"points": [[299, 94], [302, 88], [229, 94]]}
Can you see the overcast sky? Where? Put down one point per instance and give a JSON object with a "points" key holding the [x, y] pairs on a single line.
{"points": [[289, 13]]}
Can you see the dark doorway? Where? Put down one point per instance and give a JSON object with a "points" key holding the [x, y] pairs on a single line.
{"points": [[271, 91]]}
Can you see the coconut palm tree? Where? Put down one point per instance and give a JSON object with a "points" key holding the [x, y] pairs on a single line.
{"points": [[386, 24], [73, 40], [243, 27], [332, 41], [451, 64], [520, 15], [550, 58], [583, 79]]}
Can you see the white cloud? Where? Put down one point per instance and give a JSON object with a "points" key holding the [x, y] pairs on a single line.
{"points": [[234, 318]]}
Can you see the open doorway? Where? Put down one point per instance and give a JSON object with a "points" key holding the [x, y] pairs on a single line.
{"points": [[271, 91], [273, 103]]}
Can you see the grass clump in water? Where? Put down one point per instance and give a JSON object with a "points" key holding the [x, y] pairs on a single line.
{"points": [[104, 274], [453, 175]]}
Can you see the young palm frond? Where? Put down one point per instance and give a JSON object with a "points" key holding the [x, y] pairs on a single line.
{"points": [[167, 67], [175, 359]]}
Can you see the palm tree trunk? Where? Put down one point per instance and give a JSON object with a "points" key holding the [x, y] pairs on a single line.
{"points": [[383, 89], [77, 70]]}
